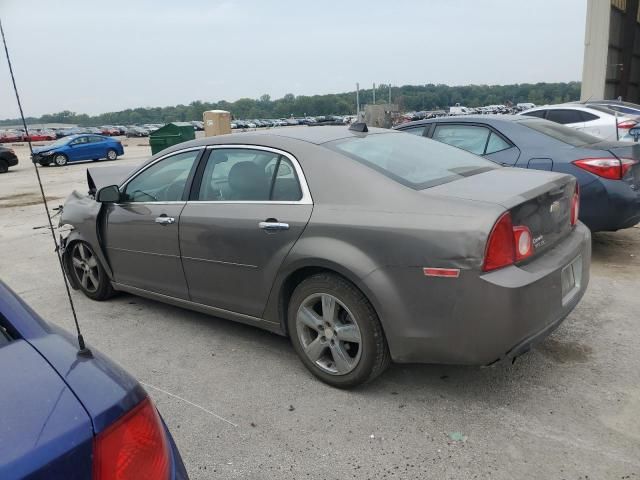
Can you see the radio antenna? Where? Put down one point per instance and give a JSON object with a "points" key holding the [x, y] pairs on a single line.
{"points": [[82, 348]]}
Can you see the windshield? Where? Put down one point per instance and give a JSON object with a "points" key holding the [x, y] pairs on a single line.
{"points": [[413, 161], [564, 134]]}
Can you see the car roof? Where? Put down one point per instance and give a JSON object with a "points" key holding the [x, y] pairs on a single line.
{"points": [[316, 135], [467, 119]]}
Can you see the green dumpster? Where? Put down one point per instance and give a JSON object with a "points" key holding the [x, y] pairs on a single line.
{"points": [[171, 134]]}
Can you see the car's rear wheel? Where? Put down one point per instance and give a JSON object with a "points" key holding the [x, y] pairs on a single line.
{"points": [[336, 331], [112, 154], [88, 273], [4, 166], [60, 159]]}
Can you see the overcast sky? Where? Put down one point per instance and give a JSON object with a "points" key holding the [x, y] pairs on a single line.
{"points": [[93, 57]]}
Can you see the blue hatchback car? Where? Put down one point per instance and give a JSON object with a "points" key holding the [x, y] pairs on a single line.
{"points": [[75, 148], [69, 416]]}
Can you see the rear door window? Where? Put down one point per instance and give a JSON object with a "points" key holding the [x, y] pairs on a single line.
{"points": [[536, 113], [565, 117], [242, 174], [414, 130], [588, 117], [496, 144], [471, 138]]}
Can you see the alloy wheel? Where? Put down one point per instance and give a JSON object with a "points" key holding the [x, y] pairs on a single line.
{"points": [[112, 155], [60, 160], [329, 334], [85, 267]]}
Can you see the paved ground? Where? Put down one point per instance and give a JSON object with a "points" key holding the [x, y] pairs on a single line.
{"points": [[568, 410]]}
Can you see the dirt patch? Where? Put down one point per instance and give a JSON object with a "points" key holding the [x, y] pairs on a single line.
{"points": [[564, 352], [16, 195], [23, 200]]}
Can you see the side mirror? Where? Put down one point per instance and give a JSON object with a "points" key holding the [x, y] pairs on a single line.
{"points": [[635, 133], [110, 194]]}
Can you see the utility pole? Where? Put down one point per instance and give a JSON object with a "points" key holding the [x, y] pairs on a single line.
{"points": [[389, 94], [357, 101], [374, 93]]}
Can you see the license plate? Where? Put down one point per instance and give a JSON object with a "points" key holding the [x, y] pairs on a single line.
{"points": [[571, 277]]}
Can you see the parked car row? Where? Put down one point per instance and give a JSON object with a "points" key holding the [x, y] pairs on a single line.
{"points": [[598, 119], [285, 122], [19, 135]]}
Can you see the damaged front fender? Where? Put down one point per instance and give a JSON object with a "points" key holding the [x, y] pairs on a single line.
{"points": [[84, 216]]}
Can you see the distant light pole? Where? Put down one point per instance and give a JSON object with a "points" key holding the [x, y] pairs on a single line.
{"points": [[374, 93], [357, 101], [389, 94]]}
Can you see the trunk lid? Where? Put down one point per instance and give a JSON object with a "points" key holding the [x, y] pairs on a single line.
{"points": [[44, 430], [538, 200]]}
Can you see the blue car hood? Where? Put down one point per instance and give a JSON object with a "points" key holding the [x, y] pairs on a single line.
{"points": [[44, 429], [43, 149]]}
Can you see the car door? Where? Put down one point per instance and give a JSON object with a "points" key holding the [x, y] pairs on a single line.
{"points": [[243, 217], [142, 230], [79, 148]]}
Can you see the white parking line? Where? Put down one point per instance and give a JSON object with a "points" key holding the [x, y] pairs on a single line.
{"points": [[190, 403]]}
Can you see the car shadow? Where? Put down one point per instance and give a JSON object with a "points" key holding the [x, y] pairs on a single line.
{"points": [[409, 380]]}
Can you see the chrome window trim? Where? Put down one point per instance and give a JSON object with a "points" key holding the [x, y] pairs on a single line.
{"points": [[302, 180]]}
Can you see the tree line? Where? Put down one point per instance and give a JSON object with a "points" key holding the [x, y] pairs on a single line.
{"points": [[408, 97]]}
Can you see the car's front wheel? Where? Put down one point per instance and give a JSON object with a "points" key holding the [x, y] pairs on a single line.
{"points": [[336, 331], [88, 273], [112, 154], [4, 166], [60, 159]]}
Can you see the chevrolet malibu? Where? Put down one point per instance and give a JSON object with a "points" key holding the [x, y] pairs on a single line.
{"points": [[362, 245]]}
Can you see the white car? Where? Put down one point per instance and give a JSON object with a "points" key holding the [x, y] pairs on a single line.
{"points": [[596, 120]]}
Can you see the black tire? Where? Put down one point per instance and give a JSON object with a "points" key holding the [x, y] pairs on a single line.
{"points": [[374, 355], [60, 159], [103, 290], [4, 166], [112, 154]]}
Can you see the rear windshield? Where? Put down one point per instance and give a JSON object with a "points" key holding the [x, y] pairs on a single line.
{"points": [[413, 161], [564, 134]]}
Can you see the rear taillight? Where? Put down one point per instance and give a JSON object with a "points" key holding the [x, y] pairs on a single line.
{"points": [[627, 124], [135, 447], [575, 205], [611, 168], [507, 244], [523, 242]]}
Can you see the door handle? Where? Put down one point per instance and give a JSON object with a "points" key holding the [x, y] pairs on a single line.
{"points": [[271, 226], [164, 220]]}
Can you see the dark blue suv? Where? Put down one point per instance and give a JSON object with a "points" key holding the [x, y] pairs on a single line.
{"points": [[70, 416]]}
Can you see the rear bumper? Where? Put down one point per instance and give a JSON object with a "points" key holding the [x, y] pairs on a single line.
{"points": [[11, 160], [478, 319], [609, 205]]}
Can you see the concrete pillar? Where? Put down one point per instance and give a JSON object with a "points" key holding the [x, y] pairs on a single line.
{"points": [[596, 49]]}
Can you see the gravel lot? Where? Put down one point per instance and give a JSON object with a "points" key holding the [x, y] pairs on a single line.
{"points": [[570, 409]]}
